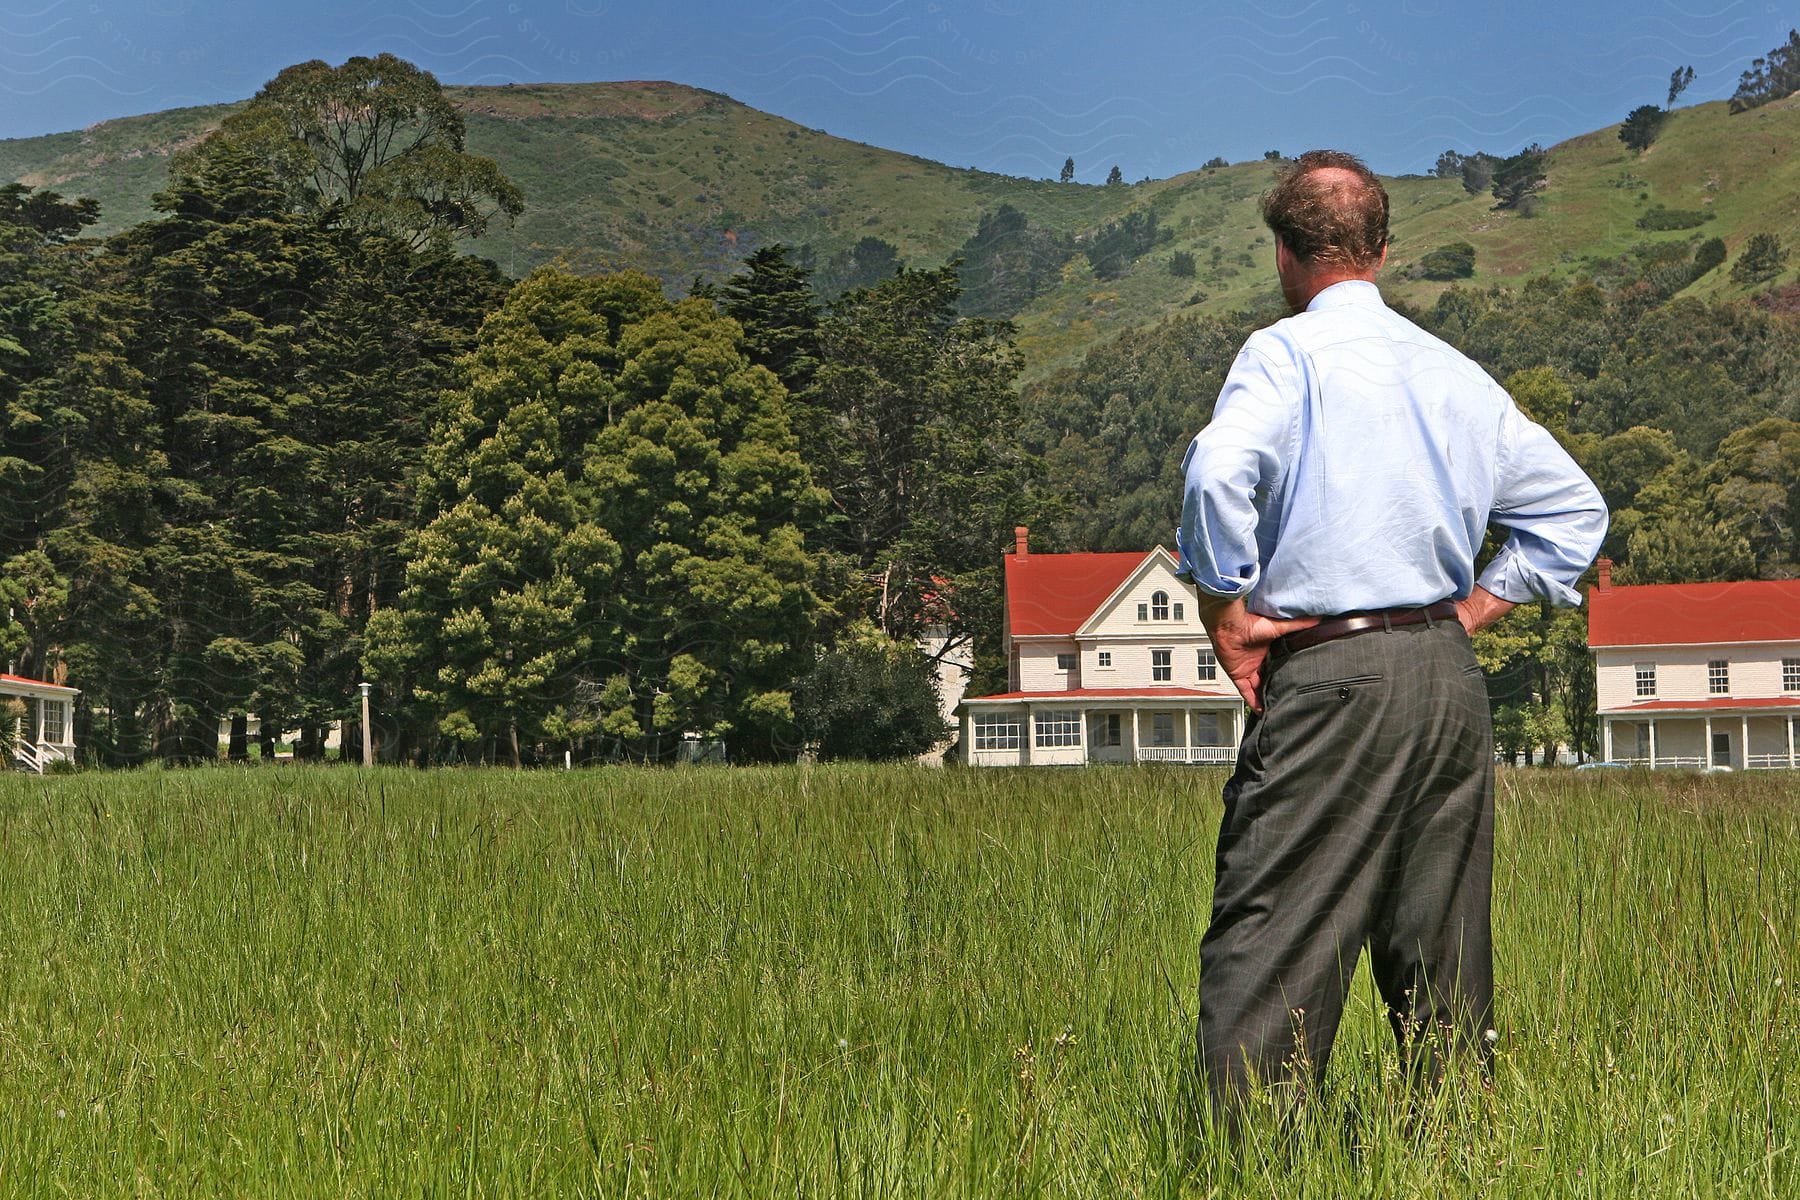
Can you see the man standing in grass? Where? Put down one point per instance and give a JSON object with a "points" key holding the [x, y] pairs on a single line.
{"points": [[1333, 509]]}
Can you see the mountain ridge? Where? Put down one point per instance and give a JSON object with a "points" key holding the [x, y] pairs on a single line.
{"points": [[684, 182]]}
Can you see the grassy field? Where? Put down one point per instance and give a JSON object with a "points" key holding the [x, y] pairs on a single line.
{"points": [[865, 982]]}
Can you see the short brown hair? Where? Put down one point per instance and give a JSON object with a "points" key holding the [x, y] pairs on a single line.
{"points": [[1326, 218]]}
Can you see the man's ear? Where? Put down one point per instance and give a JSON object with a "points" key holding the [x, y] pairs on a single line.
{"points": [[1284, 258]]}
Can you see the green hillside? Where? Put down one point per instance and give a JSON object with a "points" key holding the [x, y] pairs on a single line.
{"points": [[683, 182]]}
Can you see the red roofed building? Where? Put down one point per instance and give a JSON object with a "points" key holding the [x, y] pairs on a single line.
{"points": [[1107, 662], [1697, 674], [45, 731]]}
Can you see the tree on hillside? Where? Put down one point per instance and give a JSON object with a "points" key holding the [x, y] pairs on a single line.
{"points": [[1761, 261], [1518, 179], [1449, 165], [376, 139], [1477, 171], [1115, 176], [863, 265], [1006, 263], [1679, 79], [1775, 76], [1641, 126], [1068, 170], [1116, 245]]}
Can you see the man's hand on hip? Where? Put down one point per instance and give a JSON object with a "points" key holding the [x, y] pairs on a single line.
{"points": [[1481, 609], [1241, 641]]}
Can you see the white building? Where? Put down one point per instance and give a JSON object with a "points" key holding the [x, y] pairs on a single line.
{"points": [[1108, 662], [46, 731], [1697, 674]]}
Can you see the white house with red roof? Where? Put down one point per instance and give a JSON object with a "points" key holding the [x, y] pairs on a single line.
{"points": [[1108, 662], [46, 731], [1697, 674]]}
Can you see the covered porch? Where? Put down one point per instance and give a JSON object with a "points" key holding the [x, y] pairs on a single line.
{"points": [[1098, 725], [1762, 735], [43, 727]]}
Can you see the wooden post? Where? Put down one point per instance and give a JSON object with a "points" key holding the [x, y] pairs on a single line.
{"points": [[368, 743]]}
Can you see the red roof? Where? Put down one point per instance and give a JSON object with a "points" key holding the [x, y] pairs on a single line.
{"points": [[1709, 702], [5, 678], [1143, 693], [1054, 593], [1695, 614]]}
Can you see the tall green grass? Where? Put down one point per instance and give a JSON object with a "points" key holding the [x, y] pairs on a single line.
{"points": [[864, 982]]}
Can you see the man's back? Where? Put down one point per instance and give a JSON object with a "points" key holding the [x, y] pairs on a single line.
{"points": [[1384, 452]]}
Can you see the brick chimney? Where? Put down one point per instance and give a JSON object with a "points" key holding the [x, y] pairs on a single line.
{"points": [[1605, 584], [1021, 540]]}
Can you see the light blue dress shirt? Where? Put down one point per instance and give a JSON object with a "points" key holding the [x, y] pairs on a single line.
{"points": [[1354, 462]]}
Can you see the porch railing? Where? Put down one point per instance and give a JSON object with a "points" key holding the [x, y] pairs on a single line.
{"points": [[1768, 762], [36, 757], [1187, 754]]}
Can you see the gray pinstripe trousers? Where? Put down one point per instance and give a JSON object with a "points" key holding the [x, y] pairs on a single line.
{"points": [[1360, 813]]}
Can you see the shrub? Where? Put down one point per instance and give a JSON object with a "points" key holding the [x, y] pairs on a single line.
{"points": [[1455, 261], [1656, 217]]}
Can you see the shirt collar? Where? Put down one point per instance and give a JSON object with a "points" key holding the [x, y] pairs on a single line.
{"points": [[1347, 293]]}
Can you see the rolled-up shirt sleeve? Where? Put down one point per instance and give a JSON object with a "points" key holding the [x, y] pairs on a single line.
{"points": [[1242, 452], [1554, 514]]}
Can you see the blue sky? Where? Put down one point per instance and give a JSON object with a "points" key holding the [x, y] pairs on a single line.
{"points": [[1156, 87]]}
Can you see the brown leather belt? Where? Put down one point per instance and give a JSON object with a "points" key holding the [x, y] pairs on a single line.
{"points": [[1332, 628]]}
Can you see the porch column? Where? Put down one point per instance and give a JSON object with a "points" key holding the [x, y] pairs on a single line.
{"points": [[1653, 743], [1187, 731], [1744, 740], [1605, 740], [37, 736], [1790, 735], [1137, 733], [1707, 760]]}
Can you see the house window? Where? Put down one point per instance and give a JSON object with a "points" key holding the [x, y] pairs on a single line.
{"points": [[1178, 610], [1159, 606], [1209, 666], [1207, 730], [1105, 730], [1105, 658], [1790, 674], [1161, 668], [1143, 612], [1646, 679], [1065, 662], [53, 720], [996, 731], [1162, 729], [1718, 677], [1057, 727]]}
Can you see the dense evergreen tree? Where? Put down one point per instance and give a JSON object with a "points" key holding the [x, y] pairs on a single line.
{"points": [[1068, 170], [1641, 126], [914, 437], [614, 551], [1006, 263]]}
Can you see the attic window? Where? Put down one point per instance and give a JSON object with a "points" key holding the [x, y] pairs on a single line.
{"points": [[1159, 606]]}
